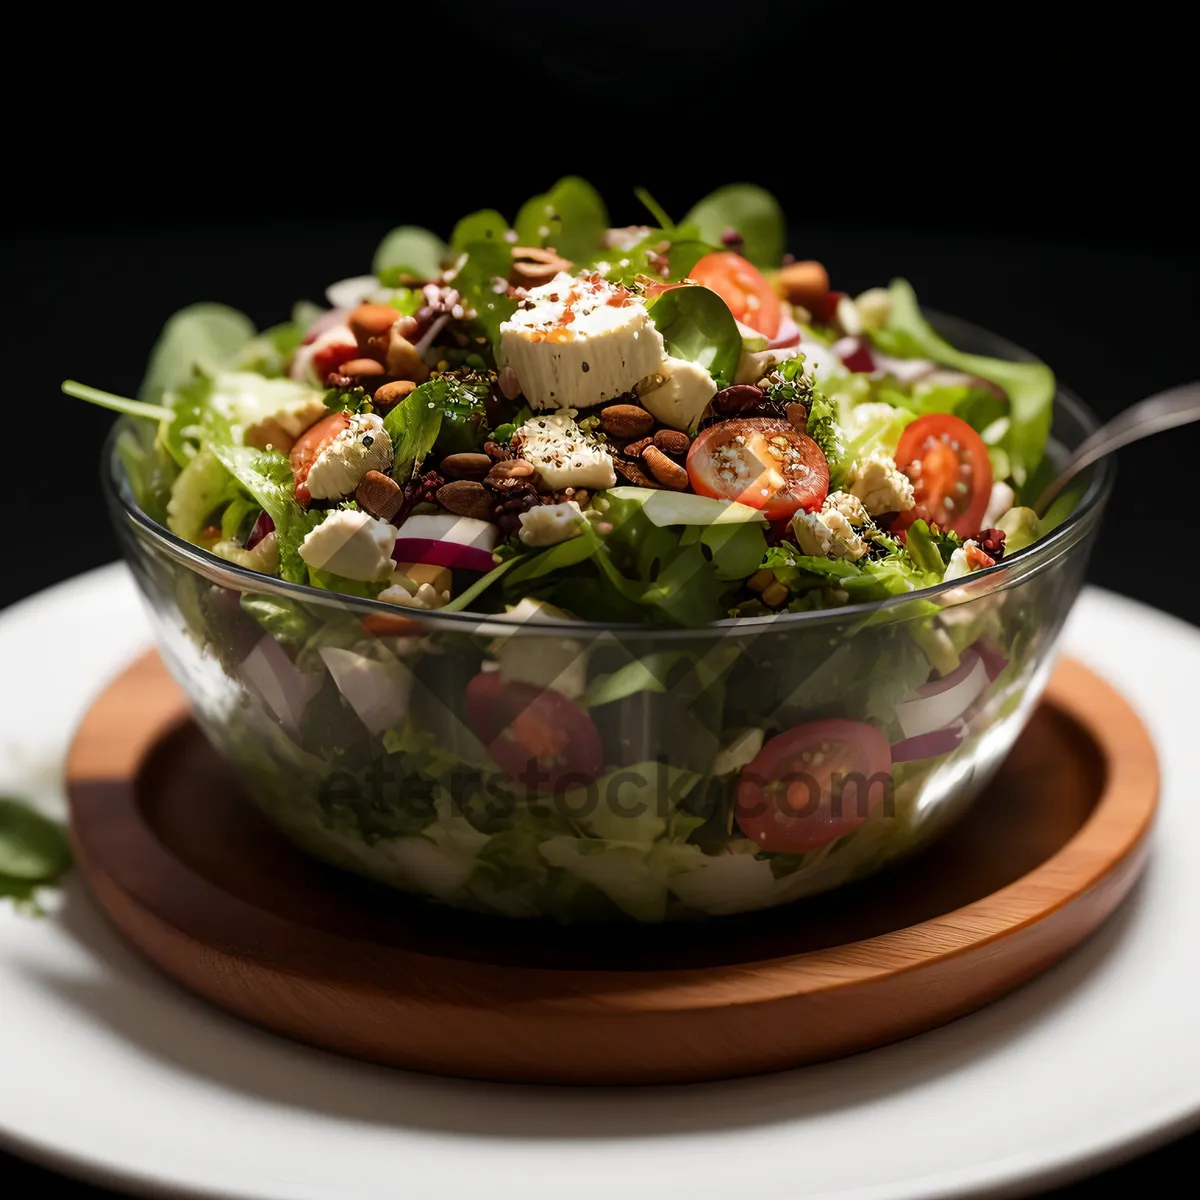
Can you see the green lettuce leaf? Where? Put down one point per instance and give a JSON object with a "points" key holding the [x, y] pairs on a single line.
{"points": [[204, 336], [485, 270]]}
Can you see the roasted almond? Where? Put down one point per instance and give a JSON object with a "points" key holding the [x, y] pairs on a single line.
{"points": [[466, 498], [673, 442], [371, 320], [510, 468], [358, 368], [532, 266], [669, 474], [626, 421], [466, 466], [804, 283], [380, 495], [390, 394]]}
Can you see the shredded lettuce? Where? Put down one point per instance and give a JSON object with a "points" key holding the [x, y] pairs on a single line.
{"points": [[1029, 385]]}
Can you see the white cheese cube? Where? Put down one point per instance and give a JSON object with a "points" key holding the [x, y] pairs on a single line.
{"points": [[352, 544], [549, 524], [361, 447], [562, 453], [575, 343], [677, 393]]}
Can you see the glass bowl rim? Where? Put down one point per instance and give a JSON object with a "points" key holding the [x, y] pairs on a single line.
{"points": [[1034, 557]]}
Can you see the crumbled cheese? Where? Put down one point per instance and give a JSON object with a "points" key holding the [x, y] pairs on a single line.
{"points": [[562, 453], [970, 556], [541, 662], [880, 485], [425, 597], [850, 507], [575, 342], [999, 502], [828, 534], [549, 524], [351, 543], [739, 751], [362, 446], [677, 393]]}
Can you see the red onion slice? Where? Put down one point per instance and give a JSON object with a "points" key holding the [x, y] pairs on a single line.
{"points": [[442, 554], [993, 661], [262, 527], [280, 685], [935, 705], [788, 335], [929, 745]]}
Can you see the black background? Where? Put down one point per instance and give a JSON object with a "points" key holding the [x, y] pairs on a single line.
{"points": [[1027, 167]]}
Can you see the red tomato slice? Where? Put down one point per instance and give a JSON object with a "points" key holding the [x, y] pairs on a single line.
{"points": [[760, 461], [329, 358], [538, 737], [743, 287], [951, 473], [813, 784]]}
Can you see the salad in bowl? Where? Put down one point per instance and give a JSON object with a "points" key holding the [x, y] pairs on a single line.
{"points": [[593, 573]]}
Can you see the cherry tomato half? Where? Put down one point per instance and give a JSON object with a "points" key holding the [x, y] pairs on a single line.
{"points": [[950, 470], [813, 784], [538, 737], [330, 357], [743, 287], [760, 461]]}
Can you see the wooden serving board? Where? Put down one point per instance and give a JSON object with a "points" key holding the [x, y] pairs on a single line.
{"points": [[200, 882]]}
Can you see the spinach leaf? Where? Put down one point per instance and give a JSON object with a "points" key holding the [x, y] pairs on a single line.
{"points": [[487, 225], [1029, 386], [923, 550], [750, 210], [696, 325], [570, 217], [409, 253], [481, 281], [208, 336], [414, 424], [32, 847]]}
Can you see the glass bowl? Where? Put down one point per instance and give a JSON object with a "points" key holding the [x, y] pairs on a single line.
{"points": [[355, 726]]}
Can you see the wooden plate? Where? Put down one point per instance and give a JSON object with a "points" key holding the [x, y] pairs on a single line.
{"points": [[211, 894]]}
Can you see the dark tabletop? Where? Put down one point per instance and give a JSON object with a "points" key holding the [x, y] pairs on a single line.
{"points": [[1026, 180]]}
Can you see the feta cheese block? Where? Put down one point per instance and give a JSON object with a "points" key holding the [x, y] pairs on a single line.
{"points": [[562, 453], [351, 543], [574, 343], [362, 446], [677, 393]]}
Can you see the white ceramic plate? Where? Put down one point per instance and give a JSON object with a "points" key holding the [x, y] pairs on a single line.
{"points": [[108, 1071]]}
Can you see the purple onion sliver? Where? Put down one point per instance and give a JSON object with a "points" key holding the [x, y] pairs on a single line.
{"points": [[442, 554], [929, 745], [262, 527]]}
